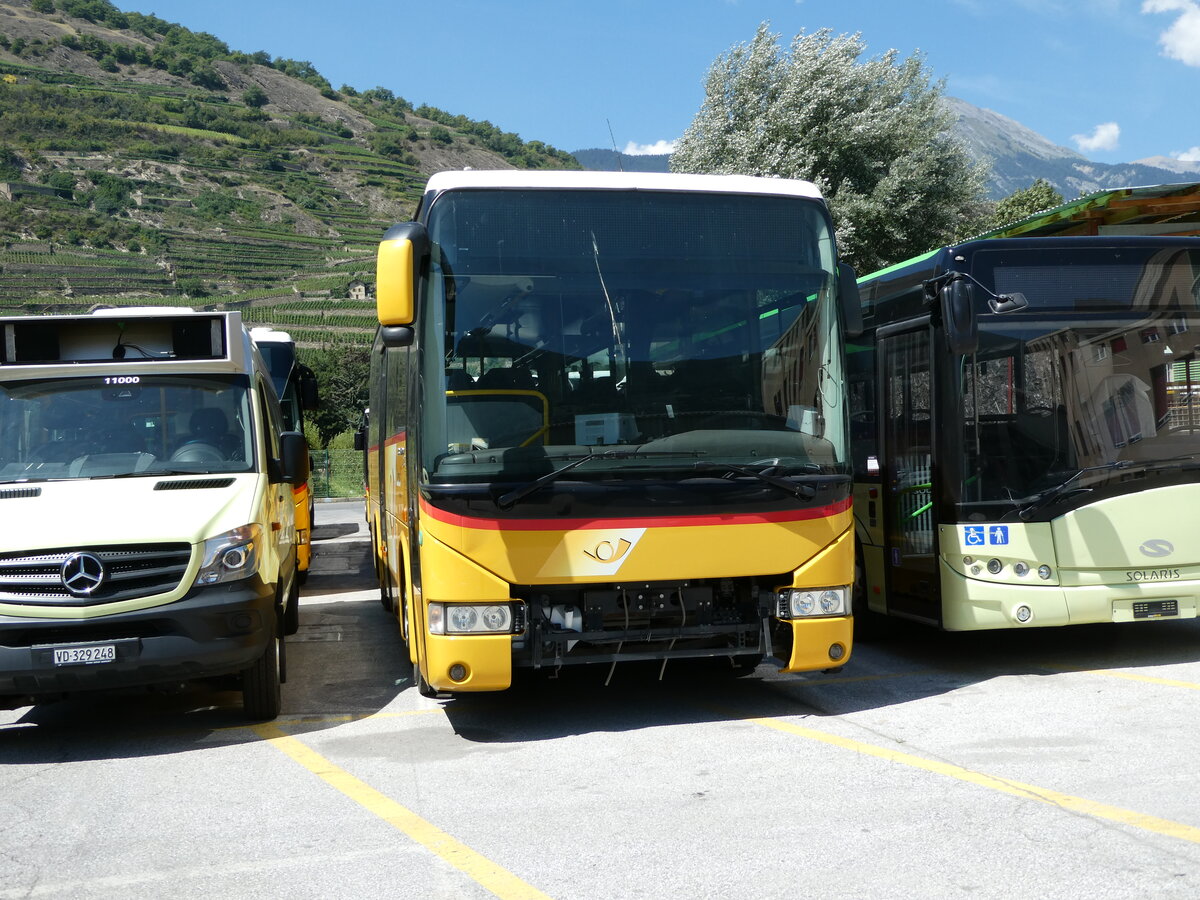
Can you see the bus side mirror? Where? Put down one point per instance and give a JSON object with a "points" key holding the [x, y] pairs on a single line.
{"points": [[294, 463], [360, 439], [850, 301], [397, 335], [403, 253], [958, 317], [309, 397]]}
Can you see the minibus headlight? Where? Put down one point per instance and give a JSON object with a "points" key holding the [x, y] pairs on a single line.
{"points": [[470, 618], [801, 603], [231, 556]]}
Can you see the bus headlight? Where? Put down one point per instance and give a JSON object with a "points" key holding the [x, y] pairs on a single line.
{"points": [[231, 556], [804, 603], [471, 618]]}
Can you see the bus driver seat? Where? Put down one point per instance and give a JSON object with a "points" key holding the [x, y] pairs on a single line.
{"points": [[209, 439]]}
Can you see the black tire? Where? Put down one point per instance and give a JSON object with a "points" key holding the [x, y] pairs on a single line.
{"points": [[424, 688], [745, 664], [291, 612], [385, 592], [262, 697], [868, 625]]}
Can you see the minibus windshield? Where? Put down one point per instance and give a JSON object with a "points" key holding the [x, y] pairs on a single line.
{"points": [[106, 426]]}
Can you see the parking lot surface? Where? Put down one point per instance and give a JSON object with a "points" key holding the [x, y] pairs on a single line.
{"points": [[1055, 763]]}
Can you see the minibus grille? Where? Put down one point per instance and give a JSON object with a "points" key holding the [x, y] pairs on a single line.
{"points": [[89, 576]]}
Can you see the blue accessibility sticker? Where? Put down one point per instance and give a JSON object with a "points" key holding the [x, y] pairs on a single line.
{"points": [[984, 535], [974, 535]]}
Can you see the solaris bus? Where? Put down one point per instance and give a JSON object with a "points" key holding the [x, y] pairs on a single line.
{"points": [[1026, 433]]}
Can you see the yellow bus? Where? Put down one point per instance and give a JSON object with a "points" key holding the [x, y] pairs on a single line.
{"points": [[1025, 419], [608, 424], [296, 386]]}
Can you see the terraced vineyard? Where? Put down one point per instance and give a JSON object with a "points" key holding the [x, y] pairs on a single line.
{"points": [[300, 288], [186, 173]]}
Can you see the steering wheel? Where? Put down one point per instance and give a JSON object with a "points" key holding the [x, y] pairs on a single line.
{"points": [[197, 451]]}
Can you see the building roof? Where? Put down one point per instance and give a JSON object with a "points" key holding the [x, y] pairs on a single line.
{"points": [[1163, 209]]}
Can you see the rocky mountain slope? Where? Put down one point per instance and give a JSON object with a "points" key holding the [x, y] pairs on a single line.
{"points": [[1017, 157]]}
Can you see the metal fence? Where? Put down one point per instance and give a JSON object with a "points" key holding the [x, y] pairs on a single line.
{"points": [[337, 473]]}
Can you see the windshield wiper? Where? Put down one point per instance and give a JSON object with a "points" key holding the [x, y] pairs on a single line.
{"points": [[1045, 498], [1151, 465], [508, 500], [803, 488]]}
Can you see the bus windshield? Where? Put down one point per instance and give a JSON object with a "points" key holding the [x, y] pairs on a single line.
{"points": [[115, 426], [644, 330], [1102, 397]]}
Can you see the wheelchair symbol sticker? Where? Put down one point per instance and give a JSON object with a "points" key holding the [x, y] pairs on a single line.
{"points": [[984, 535], [973, 535]]}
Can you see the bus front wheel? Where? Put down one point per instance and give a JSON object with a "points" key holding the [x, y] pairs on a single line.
{"points": [[424, 688]]}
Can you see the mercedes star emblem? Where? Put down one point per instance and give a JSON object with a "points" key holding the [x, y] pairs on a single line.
{"points": [[82, 574]]}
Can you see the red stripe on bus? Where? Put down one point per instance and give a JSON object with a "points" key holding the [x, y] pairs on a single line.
{"points": [[398, 438], [775, 518]]}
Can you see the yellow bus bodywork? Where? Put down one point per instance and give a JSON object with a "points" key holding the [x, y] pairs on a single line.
{"points": [[818, 551]]}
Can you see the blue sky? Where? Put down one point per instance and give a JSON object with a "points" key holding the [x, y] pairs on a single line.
{"points": [[1117, 80]]}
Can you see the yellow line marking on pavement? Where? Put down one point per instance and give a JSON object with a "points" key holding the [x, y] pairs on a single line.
{"points": [[483, 871], [1003, 785]]}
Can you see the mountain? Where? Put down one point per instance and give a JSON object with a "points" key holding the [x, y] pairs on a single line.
{"points": [[141, 162], [1170, 164], [1017, 157]]}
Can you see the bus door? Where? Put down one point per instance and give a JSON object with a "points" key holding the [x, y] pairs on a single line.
{"points": [[910, 543]]}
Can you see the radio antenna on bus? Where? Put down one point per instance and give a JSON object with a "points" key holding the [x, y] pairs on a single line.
{"points": [[616, 152]]}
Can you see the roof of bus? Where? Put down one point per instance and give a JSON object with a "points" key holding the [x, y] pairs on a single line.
{"points": [[1156, 209], [645, 181], [266, 334]]}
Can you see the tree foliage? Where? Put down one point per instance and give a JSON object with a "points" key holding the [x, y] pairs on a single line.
{"points": [[874, 135], [342, 377], [1023, 203]]}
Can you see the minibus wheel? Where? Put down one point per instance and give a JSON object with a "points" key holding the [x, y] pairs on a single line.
{"points": [[261, 695]]}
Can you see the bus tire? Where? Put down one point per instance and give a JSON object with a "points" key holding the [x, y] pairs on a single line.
{"points": [[262, 697], [385, 592], [745, 664], [424, 688], [868, 624], [291, 612]]}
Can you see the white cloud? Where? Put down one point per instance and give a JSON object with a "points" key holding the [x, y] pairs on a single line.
{"points": [[1103, 137], [1181, 40], [1192, 155], [656, 149]]}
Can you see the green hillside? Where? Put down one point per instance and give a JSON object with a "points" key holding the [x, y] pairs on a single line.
{"points": [[143, 163]]}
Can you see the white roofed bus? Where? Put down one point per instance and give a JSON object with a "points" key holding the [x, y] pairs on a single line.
{"points": [[607, 425], [296, 386]]}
